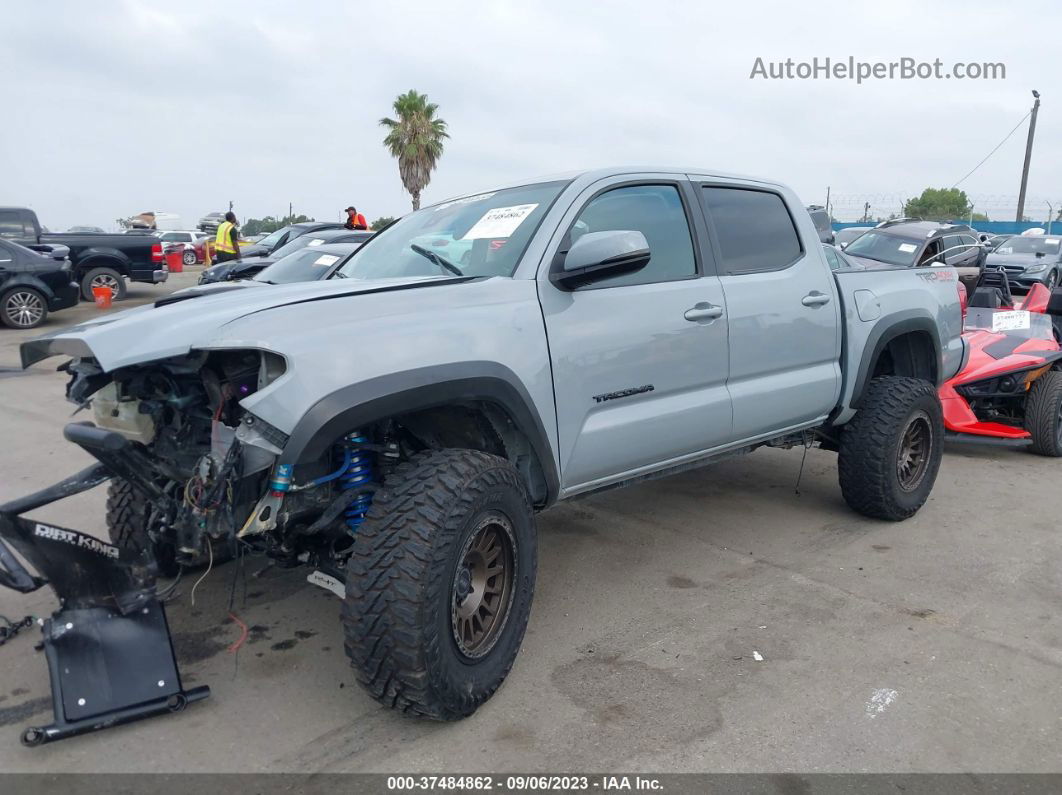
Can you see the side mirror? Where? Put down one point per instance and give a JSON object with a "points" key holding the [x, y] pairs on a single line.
{"points": [[601, 255]]}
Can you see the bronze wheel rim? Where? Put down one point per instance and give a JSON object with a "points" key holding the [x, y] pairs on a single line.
{"points": [[482, 588], [913, 453]]}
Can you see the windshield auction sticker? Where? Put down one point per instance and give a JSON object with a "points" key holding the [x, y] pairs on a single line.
{"points": [[500, 222], [1011, 321]]}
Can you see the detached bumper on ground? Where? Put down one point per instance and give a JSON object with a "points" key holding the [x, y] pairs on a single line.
{"points": [[108, 647]]}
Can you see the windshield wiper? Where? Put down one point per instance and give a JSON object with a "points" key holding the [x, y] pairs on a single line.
{"points": [[441, 261]]}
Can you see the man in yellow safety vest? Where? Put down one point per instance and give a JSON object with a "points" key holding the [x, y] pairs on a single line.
{"points": [[226, 245]]}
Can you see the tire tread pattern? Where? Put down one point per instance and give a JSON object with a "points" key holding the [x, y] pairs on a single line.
{"points": [[397, 580], [1041, 414], [868, 447]]}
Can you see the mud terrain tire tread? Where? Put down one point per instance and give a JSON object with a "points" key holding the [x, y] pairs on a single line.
{"points": [[866, 464], [396, 615], [128, 511]]}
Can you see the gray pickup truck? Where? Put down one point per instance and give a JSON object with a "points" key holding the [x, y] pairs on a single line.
{"points": [[395, 427]]}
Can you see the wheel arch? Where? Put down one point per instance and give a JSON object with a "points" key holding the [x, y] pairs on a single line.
{"points": [[905, 346], [102, 258], [488, 388]]}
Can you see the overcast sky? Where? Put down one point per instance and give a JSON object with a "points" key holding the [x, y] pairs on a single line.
{"points": [[112, 108]]}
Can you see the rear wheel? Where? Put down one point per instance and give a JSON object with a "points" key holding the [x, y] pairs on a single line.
{"points": [[440, 583], [128, 519], [1043, 414], [891, 450], [23, 307], [189, 258], [103, 277]]}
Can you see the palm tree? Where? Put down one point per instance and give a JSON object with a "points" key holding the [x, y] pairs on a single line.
{"points": [[416, 139]]}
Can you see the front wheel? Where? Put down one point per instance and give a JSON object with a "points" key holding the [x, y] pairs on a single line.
{"points": [[440, 582], [891, 450], [128, 522], [189, 257], [23, 307], [1043, 414], [103, 277]]}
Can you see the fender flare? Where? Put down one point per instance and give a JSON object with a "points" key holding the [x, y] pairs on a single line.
{"points": [[90, 258], [404, 392], [885, 331]]}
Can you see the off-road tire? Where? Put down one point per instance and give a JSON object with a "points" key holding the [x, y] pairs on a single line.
{"points": [[402, 575], [110, 275], [870, 456], [1043, 414], [128, 513]]}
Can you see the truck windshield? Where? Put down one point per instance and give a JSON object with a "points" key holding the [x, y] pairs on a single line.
{"points": [[883, 248], [480, 235]]}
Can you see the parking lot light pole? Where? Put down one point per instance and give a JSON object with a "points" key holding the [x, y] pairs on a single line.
{"points": [[1028, 155]]}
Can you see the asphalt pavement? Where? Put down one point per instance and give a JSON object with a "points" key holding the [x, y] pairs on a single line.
{"points": [[716, 620]]}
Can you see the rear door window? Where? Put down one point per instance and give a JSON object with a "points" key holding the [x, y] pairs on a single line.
{"points": [[754, 229]]}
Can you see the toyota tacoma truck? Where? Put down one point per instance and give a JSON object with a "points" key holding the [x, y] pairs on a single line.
{"points": [[396, 427], [98, 259]]}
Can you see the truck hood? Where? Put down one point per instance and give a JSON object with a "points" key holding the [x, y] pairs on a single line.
{"points": [[197, 318]]}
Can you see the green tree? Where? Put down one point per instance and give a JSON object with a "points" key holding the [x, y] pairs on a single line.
{"points": [[939, 204], [415, 139], [258, 226], [382, 222], [980, 217]]}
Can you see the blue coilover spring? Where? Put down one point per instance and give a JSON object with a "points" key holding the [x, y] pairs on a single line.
{"points": [[359, 472]]}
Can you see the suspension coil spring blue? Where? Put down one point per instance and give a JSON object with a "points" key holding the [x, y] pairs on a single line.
{"points": [[359, 472]]}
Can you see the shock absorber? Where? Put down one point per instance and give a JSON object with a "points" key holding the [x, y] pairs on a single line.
{"points": [[359, 472]]}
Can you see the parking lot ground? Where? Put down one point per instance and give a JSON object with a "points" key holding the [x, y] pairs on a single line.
{"points": [[711, 621]]}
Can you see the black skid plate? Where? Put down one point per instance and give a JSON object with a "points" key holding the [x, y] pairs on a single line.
{"points": [[110, 656]]}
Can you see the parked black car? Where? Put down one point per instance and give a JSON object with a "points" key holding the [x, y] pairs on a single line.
{"points": [[921, 243], [274, 240], [1028, 259], [98, 260], [308, 264], [249, 266], [33, 283]]}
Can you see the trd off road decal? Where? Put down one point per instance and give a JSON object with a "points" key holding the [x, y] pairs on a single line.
{"points": [[75, 539], [939, 275]]}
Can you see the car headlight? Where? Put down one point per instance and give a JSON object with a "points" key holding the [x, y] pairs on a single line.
{"points": [[1037, 268]]}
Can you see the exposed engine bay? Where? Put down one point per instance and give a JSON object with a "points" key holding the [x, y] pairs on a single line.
{"points": [[216, 463]]}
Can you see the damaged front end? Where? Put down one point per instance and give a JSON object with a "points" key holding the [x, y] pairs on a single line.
{"points": [[174, 441]]}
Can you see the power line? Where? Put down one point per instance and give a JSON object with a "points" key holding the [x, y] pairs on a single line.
{"points": [[1016, 126]]}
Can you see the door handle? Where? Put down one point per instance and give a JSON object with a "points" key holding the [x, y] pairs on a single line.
{"points": [[815, 298], [703, 311]]}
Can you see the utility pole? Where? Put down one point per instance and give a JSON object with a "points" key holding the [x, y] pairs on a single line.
{"points": [[289, 210], [1050, 215], [1028, 155], [828, 201], [230, 205], [866, 212]]}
